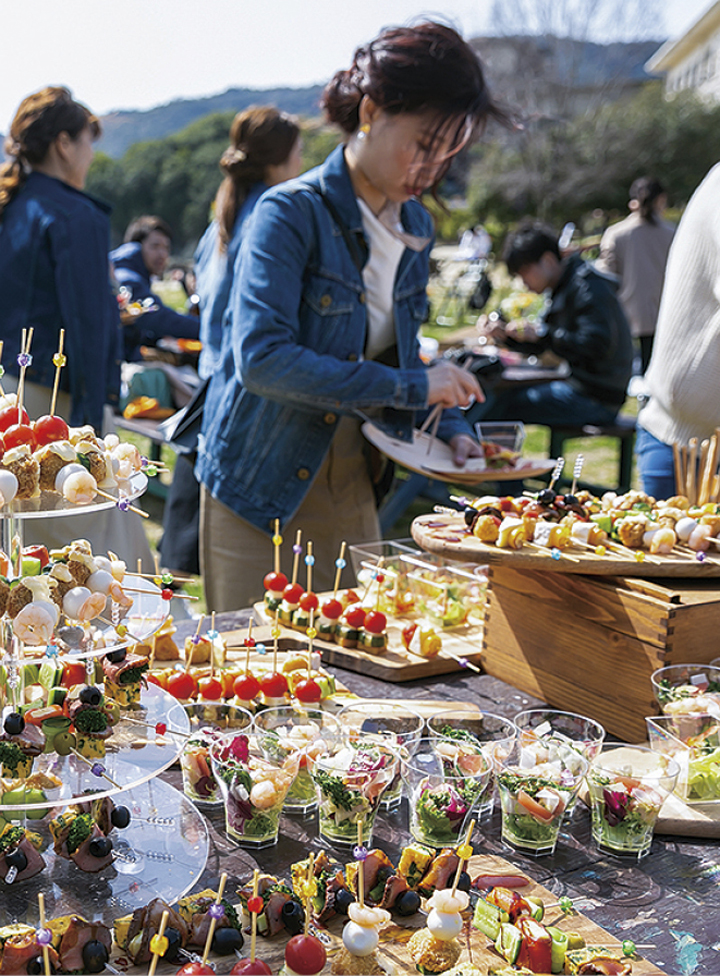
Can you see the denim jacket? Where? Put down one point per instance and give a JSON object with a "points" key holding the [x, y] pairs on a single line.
{"points": [[293, 361], [54, 275]]}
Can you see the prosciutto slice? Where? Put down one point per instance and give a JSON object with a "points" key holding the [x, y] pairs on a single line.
{"points": [[76, 937]]}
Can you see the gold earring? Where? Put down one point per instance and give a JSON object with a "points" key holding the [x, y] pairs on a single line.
{"points": [[363, 131]]}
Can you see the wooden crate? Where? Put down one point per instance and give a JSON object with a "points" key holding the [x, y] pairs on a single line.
{"points": [[589, 644]]}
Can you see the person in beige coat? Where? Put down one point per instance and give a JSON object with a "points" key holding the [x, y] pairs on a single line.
{"points": [[635, 250]]}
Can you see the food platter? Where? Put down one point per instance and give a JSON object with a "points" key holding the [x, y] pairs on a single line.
{"points": [[448, 536], [48, 503], [429, 456]]}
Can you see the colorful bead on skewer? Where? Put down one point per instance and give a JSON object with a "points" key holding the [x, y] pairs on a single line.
{"points": [[44, 935], [159, 944], [216, 912]]}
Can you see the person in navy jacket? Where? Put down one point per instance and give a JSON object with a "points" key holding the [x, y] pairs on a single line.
{"points": [[53, 259], [145, 255]]}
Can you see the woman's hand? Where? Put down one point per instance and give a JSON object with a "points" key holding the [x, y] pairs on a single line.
{"points": [[464, 447], [452, 386]]}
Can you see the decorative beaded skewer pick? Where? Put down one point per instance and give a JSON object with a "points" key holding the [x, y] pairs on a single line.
{"points": [[340, 565], [464, 853], [557, 471], [253, 908], [158, 944], [194, 641], [297, 550], [577, 471], [216, 912], [360, 853], [59, 360], [44, 935]]}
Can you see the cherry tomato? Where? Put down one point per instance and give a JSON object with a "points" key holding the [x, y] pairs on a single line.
{"points": [[181, 685], [50, 428], [228, 679], [292, 593], [309, 601], [73, 674], [307, 690], [210, 688], [305, 954], [37, 552], [19, 434], [375, 622], [9, 417], [274, 685], [195, 969], [332, 609], [355, 615], [277, 582], [246, 967], [246, 687], [153, 678]]}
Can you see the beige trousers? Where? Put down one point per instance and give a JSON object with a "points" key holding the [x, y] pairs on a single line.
{"points": [[340, 506]]}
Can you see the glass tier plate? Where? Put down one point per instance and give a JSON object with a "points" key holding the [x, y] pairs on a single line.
{"points": [[158, 859], [50, 503], [135, 754]]}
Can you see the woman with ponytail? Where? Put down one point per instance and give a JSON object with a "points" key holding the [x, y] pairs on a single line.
{"points": [[328, 298], [54, 274], [265, 149], [635, 250]]}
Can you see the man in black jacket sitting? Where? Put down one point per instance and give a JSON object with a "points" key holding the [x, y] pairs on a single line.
{"points": [[581, 323]]}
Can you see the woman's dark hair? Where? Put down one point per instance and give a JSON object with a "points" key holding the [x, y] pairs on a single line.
{"points": [[260, 136], [425, 68], [528, 243], [38, 122], [141, 227], [646, 190]]}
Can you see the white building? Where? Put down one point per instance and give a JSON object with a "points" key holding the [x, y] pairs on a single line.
{"points": [[692, 61]]}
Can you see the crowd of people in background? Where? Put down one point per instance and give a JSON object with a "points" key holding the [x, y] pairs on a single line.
{"points": [[311, 291]]}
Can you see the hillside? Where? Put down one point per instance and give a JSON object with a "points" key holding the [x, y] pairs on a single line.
{"points": [[121, 129]]}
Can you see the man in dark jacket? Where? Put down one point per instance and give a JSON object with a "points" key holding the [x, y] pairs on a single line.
{"points": [[144, 254], [581, 323]]}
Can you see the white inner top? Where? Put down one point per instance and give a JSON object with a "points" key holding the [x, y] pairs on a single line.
{"points": [[379, 280]]}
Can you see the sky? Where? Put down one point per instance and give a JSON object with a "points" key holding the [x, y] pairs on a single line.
{"points": [[141, 53]]}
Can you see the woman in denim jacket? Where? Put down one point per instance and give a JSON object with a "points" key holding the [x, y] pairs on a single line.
{"points": [[328, 297]]}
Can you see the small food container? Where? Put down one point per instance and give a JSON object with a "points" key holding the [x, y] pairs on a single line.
{"points": [[693, 741], [449, 594], [682, 689], [382, 576]]}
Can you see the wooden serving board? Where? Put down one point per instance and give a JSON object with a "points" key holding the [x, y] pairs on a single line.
{"points": [[392, 952], [447, 535], [395, 663]]}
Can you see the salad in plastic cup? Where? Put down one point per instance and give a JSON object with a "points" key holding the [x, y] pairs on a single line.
{"points": [[628, 785], [400, 725], [492, 732], [208, 723], [537, 782], [446, 781], [307, 733], [350, 784], [693, 741], [253, 788], [686, 689]]}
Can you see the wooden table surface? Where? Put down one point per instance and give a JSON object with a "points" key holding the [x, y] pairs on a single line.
{"points": [[671, 899]]}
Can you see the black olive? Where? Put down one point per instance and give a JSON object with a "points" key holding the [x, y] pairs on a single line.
{"points": [[407, 903], [90, 695], [571, 500], [470, 515], [120, 817], [100, 846], [14, 723], [546, 497], [293, 917], [174, 944], [227, 940], [464, 882], [36, 966], [116, 657], [343, 900], [95, 956], [16, 859]]}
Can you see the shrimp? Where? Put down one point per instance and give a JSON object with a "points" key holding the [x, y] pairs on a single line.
{"points": [[80, 604], [79, 488], [34, 624], [128, 460], [265, 795], [102, 582]]}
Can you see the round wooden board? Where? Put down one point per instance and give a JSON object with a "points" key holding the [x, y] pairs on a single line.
{"points": [[432, 457], [446, 535]]}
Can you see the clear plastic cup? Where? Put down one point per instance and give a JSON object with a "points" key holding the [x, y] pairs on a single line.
{"points": [[309, 733], [628, 785], [446, 780], [208, 723], [687, 688], [350, 784], [253, 788], [402, 725], [537, 782], [492, 731]]}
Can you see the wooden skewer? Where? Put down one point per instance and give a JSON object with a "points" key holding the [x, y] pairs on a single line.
{"points": [[692, 471], [176, 596], [549, 549], [155, 576], [679, 474], [160, 936], [704, 451], [462, 861], [45, 951], [462, 661], [131, 508], [339, 568], [59, 361], [213, 921], [253, 917], [709, 472], [627, 551], [194, 641]]}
